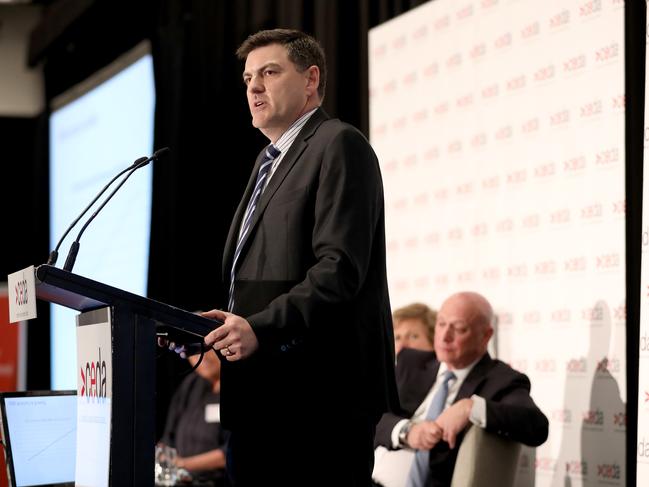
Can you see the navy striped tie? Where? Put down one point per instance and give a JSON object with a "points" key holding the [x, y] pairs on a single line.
{"points": [[262, 176]]}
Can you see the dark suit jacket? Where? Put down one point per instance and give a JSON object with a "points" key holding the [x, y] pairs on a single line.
{"points": [[511, 412], [311, 281]]}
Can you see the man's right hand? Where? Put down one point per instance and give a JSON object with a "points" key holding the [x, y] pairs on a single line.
{"points": [[424, 435]]}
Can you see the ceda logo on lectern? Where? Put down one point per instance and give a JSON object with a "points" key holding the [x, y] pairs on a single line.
{"points": [[93, 378]]}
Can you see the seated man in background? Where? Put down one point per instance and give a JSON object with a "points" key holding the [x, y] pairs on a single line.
{"points": [[414, 327], [444, 391], [193, 424]]}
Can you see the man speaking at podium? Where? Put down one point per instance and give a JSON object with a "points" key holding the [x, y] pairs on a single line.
{"points": [[307, 340]]}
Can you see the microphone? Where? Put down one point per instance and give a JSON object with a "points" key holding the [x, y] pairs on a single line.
{"points": [[74, 248], [54, 255]]}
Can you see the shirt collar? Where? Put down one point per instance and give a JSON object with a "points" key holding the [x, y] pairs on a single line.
{"points": [[460, 374]]}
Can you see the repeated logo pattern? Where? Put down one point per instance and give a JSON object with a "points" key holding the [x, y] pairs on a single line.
{"points": [[500, 129]]}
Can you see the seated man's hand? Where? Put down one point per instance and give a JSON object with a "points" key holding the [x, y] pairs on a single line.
{"points": [[424, 435], [235, 338], [454, 419]]}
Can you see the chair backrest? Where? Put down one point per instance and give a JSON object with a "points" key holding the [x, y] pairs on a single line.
{"points": [[485, 460]]}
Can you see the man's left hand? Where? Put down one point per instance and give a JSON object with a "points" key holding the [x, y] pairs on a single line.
{"points": [[454, 419], [235, 338]]}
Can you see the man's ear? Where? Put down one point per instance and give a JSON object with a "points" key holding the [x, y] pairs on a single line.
{"points": [[312, 75]]}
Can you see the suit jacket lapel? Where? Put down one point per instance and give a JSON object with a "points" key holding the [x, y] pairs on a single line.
{"points": [[475, 378], [292, 156]]}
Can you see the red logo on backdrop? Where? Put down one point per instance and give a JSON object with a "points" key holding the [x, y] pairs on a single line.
{"points": [[503, 40], [421, 32], [464, 12], [608, 261], [93, 378], [504, 133], [506, 318], [410, 78], [464, 189], [619, 207], [441, 279], [400, 204], [545, 170], [591, 109], [532, 221], [618, 102], [492, 182], [410, 160], [560, 19], [532, 317], [593, 313], [391, 165], [545, 464], [574, 64], [608, 52], [517, 83], [531, 30], [431, 70], [545, 267], [609, 471], [431, 154], [574, 164], [455, 147], [455, 233], [432, 238], [379, 51], [421, 199], [592, 211], [400, 123], [545, 73], [465, 101], [442, 23], [454, 60], [441, 194], [562, 315], [589, 8], [420, 116], [390, 86], [478, 51], [531, 125], [577, 366], [517, 177], [422, 282], [619, 419], [490, 91], [619, 312], [505, 225], [464, 277], [560, 216], [411, 243], [593, 417], [393, 246], [560, 118], [479, 229], [489, 3], [479, 140], [491, 273], [607, 156], [577, 468], [517, 271], [545, 365], [441, 108], [399, 42]]}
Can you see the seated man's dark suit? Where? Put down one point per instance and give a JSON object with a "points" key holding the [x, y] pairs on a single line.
{"points": [[511, 412]]}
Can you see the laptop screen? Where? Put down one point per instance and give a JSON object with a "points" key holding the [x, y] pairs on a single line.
{"points": [[39, 429]]}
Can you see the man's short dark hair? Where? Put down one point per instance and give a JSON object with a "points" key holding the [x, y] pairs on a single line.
{"points": [[303, 50]]}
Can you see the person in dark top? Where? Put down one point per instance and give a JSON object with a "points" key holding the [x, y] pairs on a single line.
{"points": [[193, 424]]}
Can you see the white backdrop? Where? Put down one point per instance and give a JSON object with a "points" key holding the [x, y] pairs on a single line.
{"points": [[499, 125]]}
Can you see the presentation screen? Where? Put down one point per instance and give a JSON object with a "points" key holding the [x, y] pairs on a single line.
{"points": [[499, 125], [97, 129], [40, 432]]}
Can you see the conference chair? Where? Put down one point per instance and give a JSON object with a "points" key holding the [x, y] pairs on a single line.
{"points": [[485, 460]]}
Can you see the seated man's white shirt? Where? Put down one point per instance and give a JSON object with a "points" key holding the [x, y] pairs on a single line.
{"points": [[391, 467]]}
